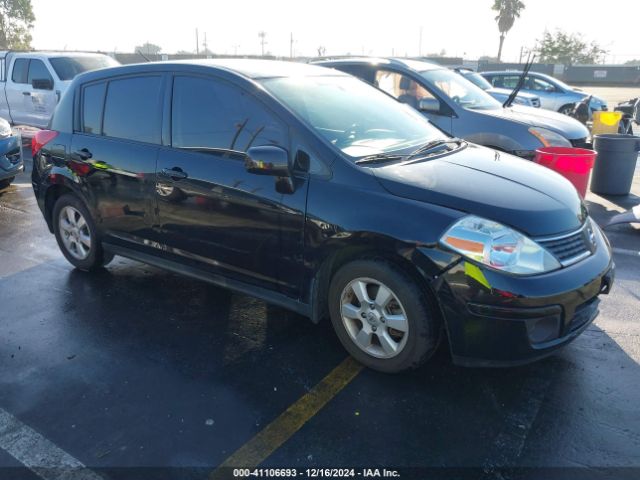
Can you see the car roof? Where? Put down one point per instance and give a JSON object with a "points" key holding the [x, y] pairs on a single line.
{"points": [[49, 53], [417, 65], [251, 68]]}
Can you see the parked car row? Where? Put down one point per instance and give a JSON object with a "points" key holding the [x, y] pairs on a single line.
{"points": [[311, 189]]}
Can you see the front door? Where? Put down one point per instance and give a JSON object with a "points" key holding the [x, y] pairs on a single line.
{"points": [[43, 101], [213, 212]]}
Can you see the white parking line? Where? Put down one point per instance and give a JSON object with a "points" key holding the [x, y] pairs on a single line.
{"points": [[624, 251], [38, 454]]}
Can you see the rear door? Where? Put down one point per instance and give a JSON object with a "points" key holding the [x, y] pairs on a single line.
{"points": [[211, 211], [118, 136]]}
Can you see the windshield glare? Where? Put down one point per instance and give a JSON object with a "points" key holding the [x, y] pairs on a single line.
{"points": [[352, 115], [68, 67], [460, 90]]}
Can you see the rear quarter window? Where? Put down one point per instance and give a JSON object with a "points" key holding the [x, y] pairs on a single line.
{"points": [[92, 106], [133, 109]]}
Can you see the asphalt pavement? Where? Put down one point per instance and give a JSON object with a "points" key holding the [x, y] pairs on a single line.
{"points": [[134, 372]]}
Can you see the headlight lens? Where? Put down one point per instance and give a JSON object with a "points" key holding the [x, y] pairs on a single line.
{"points": [[549, 138], [5, 128], [498, 247]]}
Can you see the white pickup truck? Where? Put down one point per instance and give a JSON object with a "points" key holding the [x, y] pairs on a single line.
{"points": [[31, 83]]}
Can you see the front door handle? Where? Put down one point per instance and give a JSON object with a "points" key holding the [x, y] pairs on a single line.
{"points": [[27, 93], [175, 173]]}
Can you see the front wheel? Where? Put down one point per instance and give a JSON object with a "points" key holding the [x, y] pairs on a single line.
{"points": [[77, 235], [382, 316], [566, 109]]}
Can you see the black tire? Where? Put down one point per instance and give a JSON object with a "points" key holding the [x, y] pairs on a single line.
{"points": [[424, 326], [566, 109], [6, 182], [96, 257]]}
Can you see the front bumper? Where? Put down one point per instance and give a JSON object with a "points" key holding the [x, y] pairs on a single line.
{"points": [[493, 319], [11, 163]]}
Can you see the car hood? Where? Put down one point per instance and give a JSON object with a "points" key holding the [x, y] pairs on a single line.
{"points": [[538, 117], [490, 184]]}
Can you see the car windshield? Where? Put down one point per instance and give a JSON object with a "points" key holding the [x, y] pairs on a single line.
{"points": [[352, 115], [478, 80], [460, 90], [68, 67]]}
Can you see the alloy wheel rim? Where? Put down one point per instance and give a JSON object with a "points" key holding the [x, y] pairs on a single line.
{"points": [[374, 318], [75, 233]]}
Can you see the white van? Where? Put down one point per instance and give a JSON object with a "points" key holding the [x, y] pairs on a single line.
{"points": [[31, 83]]}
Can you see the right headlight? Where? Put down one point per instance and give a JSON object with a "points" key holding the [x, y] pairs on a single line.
{"points": [[549, 138], [498, 246]]}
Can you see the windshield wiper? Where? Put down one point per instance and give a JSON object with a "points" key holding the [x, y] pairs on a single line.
{"points": [[433, 144], [379, 158]]}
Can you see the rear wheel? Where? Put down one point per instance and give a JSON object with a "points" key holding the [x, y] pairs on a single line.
{"points": [[77, 235], [381, 316]]}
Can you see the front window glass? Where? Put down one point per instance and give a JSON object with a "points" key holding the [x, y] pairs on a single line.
{"points": [[211, 114], [68, 67], [355, 117], [459, 90], [401, 87], [38, 71]]}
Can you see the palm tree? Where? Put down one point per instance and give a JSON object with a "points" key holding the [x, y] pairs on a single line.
{"points": [[508, 11]]}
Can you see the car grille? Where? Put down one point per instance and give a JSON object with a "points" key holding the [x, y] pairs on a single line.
{"points": [[535, 102], [570, 248]]}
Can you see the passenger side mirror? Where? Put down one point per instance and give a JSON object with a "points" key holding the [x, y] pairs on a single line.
{"points": [[267, 160], [42, 84], [430, 105]]}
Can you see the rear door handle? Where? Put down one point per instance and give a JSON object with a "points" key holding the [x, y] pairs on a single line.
{"points": [[175, 173]]}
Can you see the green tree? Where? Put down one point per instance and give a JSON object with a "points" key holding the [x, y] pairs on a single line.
{"points": [[16, 22], [568, 49], [149, 49], [508, 11]]}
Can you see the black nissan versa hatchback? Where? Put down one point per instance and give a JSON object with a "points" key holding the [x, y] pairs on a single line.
{"points": [[314, 191]]}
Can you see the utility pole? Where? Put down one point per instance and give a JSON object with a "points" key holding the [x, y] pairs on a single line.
{"points": [[197, 43], [263, 42], [291, 45], [204, 44]]}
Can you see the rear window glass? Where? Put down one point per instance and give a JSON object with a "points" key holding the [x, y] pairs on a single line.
{"points": [[92, 104], [68, 67], [20, 70], [133, 109]]}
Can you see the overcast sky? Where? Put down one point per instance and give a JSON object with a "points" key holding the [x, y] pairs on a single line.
{"points": [[460, 27]]}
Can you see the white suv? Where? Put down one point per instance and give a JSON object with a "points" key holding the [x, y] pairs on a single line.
{"points": [[31, 83]]}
